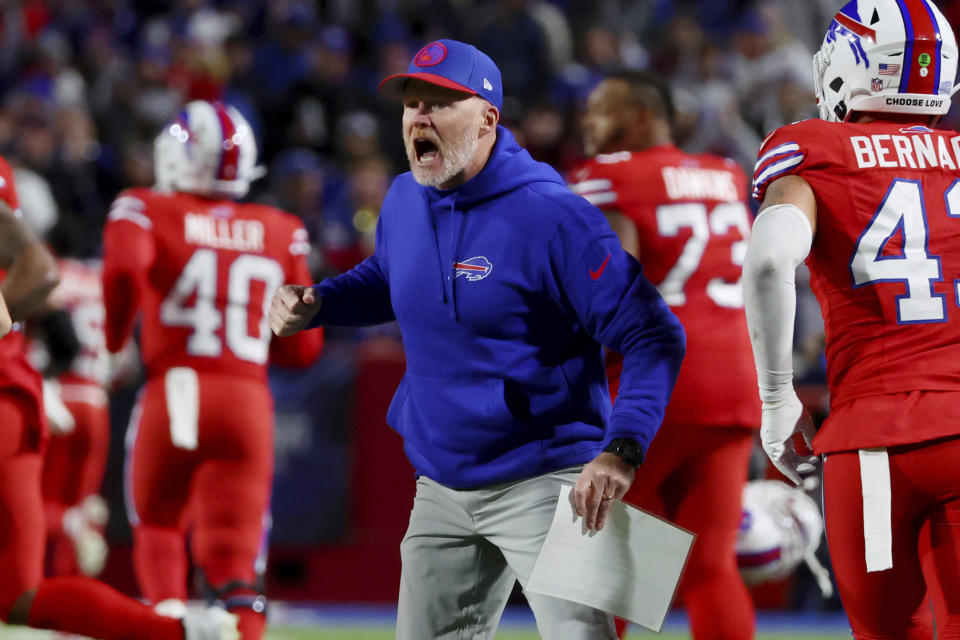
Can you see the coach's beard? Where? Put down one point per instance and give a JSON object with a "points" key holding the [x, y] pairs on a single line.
{"points": [[433, 169]]}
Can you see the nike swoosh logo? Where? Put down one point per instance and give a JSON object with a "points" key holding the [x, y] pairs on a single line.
{"points": [[599, 272]]}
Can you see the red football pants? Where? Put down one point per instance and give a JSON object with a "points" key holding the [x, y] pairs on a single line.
{"points": [[73, 605], [72, 470], [693, 476], [22, 523], [925, 527], [220, 488]]}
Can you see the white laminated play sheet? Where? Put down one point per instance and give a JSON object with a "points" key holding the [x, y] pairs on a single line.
{"points": [[630, 568]]}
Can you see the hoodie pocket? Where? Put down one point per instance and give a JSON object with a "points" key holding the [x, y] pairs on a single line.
{"points": [[455, 415], [396, 404]]}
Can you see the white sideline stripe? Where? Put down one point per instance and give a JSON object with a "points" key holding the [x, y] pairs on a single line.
{"points": [[875, 485]]}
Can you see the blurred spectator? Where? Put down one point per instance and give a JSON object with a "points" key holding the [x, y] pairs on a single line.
{"points": [[304, 186], [507, 31], [330, 88], [281, 59], [358, 136], [766, 71], [369, 179]]}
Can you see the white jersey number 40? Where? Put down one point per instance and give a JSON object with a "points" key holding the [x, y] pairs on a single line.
{"points": [[902, 213], [199, 277]]}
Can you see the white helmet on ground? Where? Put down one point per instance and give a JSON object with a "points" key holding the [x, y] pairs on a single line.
{"points": [[781, 527], [209, 150], [892, 56]]}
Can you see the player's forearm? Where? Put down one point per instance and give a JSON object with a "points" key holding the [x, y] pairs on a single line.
{"points": [[30, 279], [6, 322], [780, 241]]}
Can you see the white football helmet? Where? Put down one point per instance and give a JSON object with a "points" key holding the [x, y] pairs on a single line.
{"points": [[893, 56], [209, 150], [781, 527]]}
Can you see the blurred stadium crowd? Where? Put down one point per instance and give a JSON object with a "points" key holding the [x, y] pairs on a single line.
{"points": [[87, 84]]}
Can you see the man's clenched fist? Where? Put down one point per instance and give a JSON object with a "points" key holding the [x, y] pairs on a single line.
{"points": [[292, 308]]}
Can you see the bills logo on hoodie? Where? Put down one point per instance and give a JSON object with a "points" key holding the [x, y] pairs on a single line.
{"points": [[475, 268]]}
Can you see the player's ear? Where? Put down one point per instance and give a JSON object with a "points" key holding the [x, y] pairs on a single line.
{"points": [[489, 118]]}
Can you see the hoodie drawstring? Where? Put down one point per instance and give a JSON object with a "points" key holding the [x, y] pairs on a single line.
{"points": [[454, 312], [436, 243]]}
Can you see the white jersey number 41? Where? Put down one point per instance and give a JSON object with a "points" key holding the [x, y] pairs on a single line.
{"points": [[902, 212]]}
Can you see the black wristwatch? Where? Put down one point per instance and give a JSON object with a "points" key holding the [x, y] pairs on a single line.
{"points": [[628, 449]]}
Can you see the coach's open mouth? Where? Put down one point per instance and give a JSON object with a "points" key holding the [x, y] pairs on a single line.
{"points": [[427, 151]]}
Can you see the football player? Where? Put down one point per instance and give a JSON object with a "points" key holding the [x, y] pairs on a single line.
{"points": [[869, 196], [76, 605], [202, 268], [685, 218], [80, 428]]}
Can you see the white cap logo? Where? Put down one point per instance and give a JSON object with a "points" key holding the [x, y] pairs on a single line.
{"points": [[487, 85]]}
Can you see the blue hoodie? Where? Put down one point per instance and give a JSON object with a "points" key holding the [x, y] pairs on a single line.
{"points": [[504, 289]]}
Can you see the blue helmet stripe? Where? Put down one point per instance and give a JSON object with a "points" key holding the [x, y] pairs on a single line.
{"points": [[908, 49], [936, 58]]}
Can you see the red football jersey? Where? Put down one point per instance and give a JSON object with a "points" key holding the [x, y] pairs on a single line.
{"points": [[885, 263], [692, 225], [16, 374], [202, 273], [80, 293]]}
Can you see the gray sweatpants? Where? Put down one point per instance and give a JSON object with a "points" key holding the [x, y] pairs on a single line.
{"points": [[464, 549]]}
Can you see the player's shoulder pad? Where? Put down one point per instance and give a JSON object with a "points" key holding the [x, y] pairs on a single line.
{"points": [[133, 205], [284, 224], [784, 152], [595, 181]]}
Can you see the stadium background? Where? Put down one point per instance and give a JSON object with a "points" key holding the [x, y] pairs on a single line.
{"points": [[87, 84]]}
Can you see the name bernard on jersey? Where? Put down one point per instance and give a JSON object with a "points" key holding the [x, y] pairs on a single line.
{"points": [[917, 150]]}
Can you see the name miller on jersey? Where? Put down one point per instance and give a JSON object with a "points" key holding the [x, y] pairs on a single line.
{"points": [[914, 151], [236, 235]]}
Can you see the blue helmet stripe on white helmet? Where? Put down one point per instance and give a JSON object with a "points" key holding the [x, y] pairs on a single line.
{"points": [[914, 32], [937, 65], [908, 50]]}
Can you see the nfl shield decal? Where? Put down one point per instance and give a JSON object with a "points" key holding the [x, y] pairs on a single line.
{"points": [[474, 268]]}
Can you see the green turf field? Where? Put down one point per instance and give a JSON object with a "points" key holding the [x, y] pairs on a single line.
{"points": [[361, 633], [354, 633], [382, 633]]}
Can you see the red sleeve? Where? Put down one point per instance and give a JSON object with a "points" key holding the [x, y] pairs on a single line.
{"points": [[302, 348], [8, 192], [128, 252], [596, 181], [782, 153]]}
